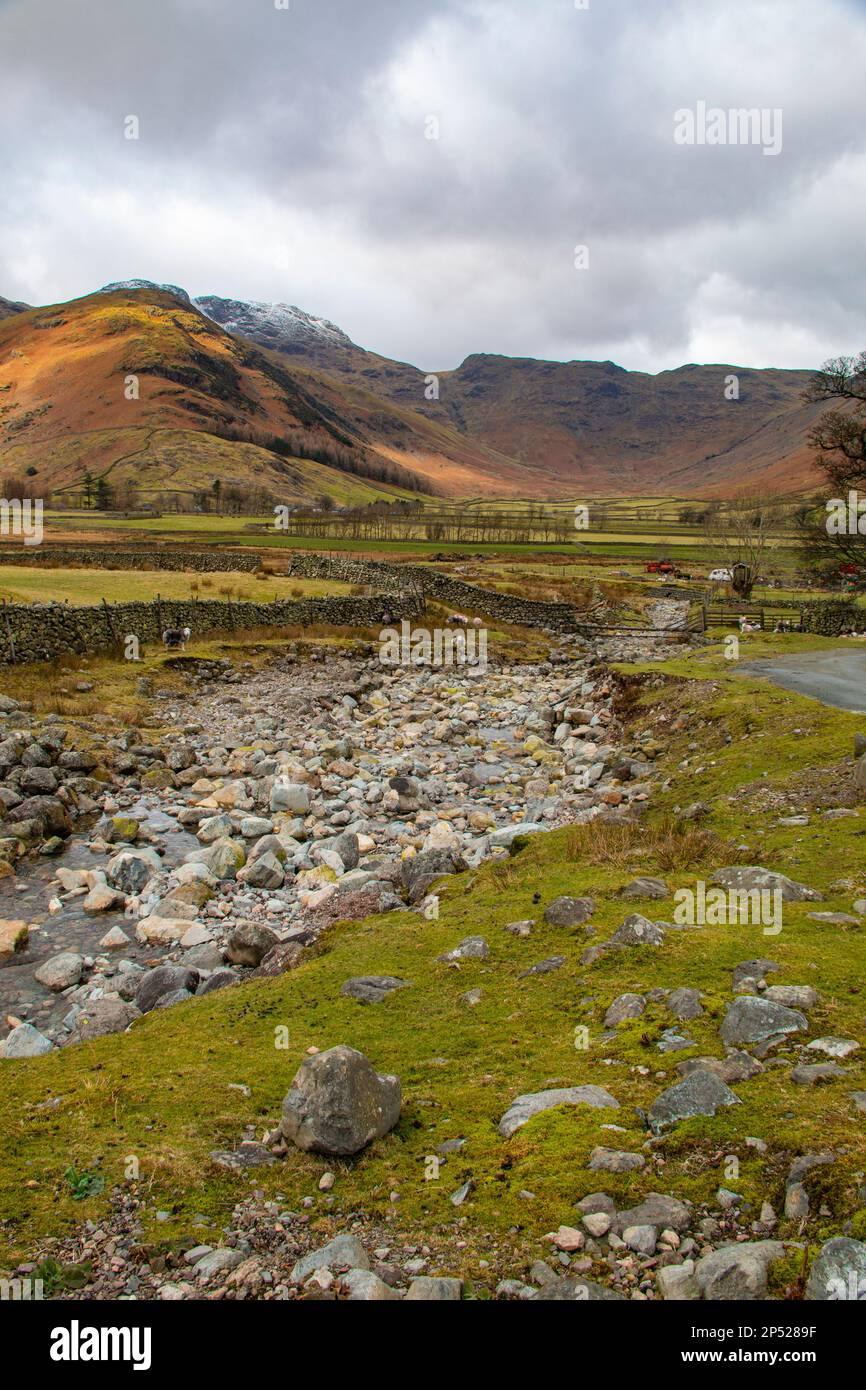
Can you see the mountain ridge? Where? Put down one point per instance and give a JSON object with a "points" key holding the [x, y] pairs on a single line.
{"points": [[494, 425]]}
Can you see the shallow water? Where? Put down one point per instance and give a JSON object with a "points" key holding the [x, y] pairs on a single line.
{"points": [[71, 929]]}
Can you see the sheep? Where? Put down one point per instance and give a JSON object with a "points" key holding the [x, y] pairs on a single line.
{"points": [[174, 637]]}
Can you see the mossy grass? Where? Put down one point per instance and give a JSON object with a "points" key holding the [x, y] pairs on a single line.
{"points": [[167, 1092]]}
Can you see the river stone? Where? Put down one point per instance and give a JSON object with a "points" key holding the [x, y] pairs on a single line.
{"points": [[738, 1271], [657, 1209], [343, 1252], [48, 812], [131, 869], [163, 979], [700, 1093], [101, 898], [223, 858], [371, 989], [363, 1286], [249, 943], [569, 912], [115, 939], [569, 1290], [753, 1020], [526, 1107], [753, 876], [14, 935], [427, 1289], [264, 872], [161, 931], [100, 1017], [338, 1103], [839, 1272], [25, 1041], [60, 972], [293, 797]]}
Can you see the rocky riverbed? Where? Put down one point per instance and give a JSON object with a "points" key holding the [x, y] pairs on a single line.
{"points": [[179, 862]]}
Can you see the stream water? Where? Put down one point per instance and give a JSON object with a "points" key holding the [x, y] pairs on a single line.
{"points": [[71, 928]]}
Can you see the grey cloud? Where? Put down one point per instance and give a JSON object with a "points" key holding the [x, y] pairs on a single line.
{"points": [[282, 156]]}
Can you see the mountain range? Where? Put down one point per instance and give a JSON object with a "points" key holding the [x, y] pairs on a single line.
{"points": [[140, 382]]}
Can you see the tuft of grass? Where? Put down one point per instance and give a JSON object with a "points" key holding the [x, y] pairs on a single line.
{"points": [[667, 843]]}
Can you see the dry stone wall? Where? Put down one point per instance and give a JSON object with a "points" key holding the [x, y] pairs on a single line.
{"points": [[560, 617], [45, 631], [73, 557]]}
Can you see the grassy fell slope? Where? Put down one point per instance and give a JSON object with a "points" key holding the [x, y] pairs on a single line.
{"points": [[167, 1091], [64, 407]]}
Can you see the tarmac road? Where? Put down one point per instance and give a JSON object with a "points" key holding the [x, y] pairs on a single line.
{"points": [[836, 677]]}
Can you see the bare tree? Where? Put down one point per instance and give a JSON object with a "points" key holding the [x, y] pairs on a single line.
{"points": [[832, 533], [739, 534]]}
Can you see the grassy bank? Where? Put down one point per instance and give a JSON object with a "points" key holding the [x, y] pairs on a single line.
{"points": [[171, 1091]]}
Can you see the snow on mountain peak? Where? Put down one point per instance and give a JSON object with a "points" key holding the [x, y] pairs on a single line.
{"points": [[145, 285], [283, 324]]}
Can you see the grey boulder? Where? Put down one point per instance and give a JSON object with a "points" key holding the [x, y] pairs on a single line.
{"points": [[338, 1103]]}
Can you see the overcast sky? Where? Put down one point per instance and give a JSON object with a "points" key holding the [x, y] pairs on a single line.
{"points": [[283, 154]]}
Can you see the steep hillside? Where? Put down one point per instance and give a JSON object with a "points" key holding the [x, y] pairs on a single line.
{"points": [[8, 307], [568, 427], [241, 391]]}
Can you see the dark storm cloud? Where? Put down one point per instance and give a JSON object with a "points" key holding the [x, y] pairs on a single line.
{"points": [[283, 155]]}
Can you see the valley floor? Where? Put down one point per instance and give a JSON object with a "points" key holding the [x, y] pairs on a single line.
{"points": [[710, 1140]]}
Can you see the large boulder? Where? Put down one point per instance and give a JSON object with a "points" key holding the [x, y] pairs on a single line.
{"points": [[422, 870], [25, 1041], [751, 1019], [839, 1272], [48, 812], [701, 1093], [163, 979], [250, 942], [338, 1103], [101, 1017], [751, 876], [738, 1272], [61, 971]]}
